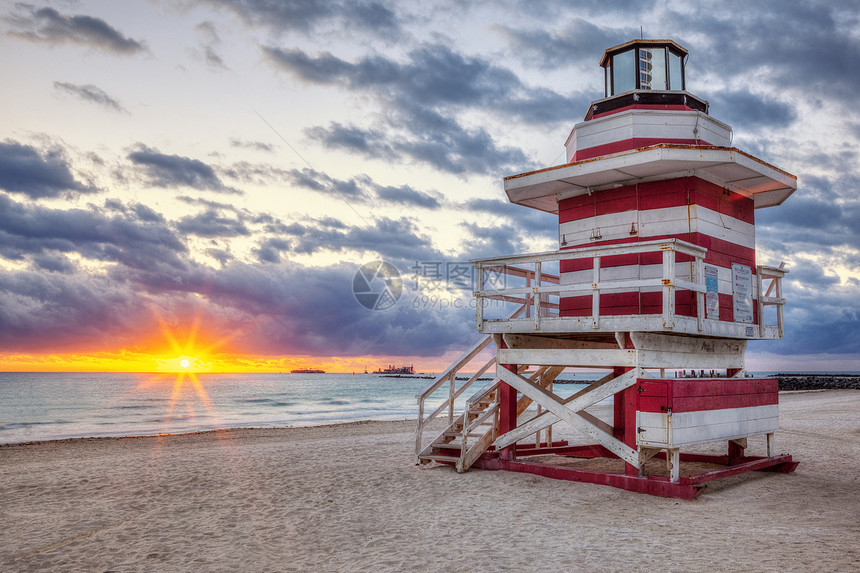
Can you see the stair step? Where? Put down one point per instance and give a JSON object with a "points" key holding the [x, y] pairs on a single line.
{"points": [[479, 429], [446, 446], [441, 458]]}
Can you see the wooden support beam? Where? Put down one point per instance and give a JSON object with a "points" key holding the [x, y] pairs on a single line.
{"points": [[600, 358], [555, 405], [586, 397]]}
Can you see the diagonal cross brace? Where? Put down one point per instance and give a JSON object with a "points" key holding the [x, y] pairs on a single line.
{"points": [[598, 391], [556, 405]]}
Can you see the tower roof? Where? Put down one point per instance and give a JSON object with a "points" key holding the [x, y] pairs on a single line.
{"points": [[727, 167], [643, 43]]}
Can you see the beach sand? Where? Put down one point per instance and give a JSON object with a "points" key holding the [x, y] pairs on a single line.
{"points": [[349, 498]]}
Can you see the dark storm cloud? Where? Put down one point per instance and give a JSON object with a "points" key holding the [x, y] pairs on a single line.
{"points": [[91, 94], [822, 217], [535, 223], [137, 210], [53, 263], [368, 142], [308, 15], [491, 241], [276, 309], [172, 171], [577, 41], [810, 48], [422, 96], [292, 308], [37, 174], [817, 300], [212, 224], [391, 239], [49, 26], [750, 111], [433, 76], [34, 230], [352, 189], [407, 196], [67, 312], [270, 250], [361, 189], [449, 148]]}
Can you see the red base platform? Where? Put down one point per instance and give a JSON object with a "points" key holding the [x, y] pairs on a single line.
{"points": [[687, 487]]}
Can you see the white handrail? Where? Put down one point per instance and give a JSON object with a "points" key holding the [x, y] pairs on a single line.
{"points": [[539, 287], [450, 375]]}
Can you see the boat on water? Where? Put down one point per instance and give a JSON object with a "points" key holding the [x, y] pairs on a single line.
{"points": [[307, 371], [396, 370]]}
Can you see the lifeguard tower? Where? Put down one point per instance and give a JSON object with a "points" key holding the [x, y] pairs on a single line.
{"points": [[655, 281]]}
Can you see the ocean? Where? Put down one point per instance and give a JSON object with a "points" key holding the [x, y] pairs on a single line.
{"points": [[37, 406], [50, 406]]}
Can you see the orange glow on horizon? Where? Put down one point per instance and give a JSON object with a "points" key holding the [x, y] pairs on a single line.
{"points": [[167, 350], [167, 362]]}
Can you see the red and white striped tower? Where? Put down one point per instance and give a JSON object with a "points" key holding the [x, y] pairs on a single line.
{"points": [[657, 271]]}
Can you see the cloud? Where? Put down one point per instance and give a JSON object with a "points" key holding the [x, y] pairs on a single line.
{"points": [[750, 111], [448, 147], [807, 49], [134, 238], [395, 240], [91, 94], [422, 98], [353, 189], [172, 171], [433, 76], [407, 196], [491, 241], [212, 224], [291, 307], [254, 145], [47, 25], [531, 222], [578, 41], [37, 174], [211, 39], [309, 15]]}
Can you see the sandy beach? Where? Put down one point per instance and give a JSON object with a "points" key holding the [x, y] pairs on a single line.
{"points": [[349, 498]]}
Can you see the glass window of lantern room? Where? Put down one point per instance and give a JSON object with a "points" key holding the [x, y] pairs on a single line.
{"points": [[608, 80], [624, 72], [676, 75], [652, 68]]}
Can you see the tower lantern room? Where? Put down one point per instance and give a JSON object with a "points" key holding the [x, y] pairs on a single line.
{"points": [[654, 65], [655, 276]]}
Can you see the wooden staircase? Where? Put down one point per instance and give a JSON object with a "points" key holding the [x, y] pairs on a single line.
{"points": [[471, 433], [474, 431]]}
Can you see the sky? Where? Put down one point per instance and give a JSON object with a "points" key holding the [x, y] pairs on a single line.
{"points": [[203, 179]]}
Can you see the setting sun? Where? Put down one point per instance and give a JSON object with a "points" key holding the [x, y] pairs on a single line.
{"points": [[185, 363]]}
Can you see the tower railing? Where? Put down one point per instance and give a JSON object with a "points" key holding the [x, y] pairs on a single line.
{"points": [[543, 295]]}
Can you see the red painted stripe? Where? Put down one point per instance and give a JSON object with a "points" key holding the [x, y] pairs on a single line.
{"points": [[658, 195], [630, 303], [720, 253], [677, 107], [705, 403], [685, 387], [697, 394], [628, 144], [633, 303]]}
